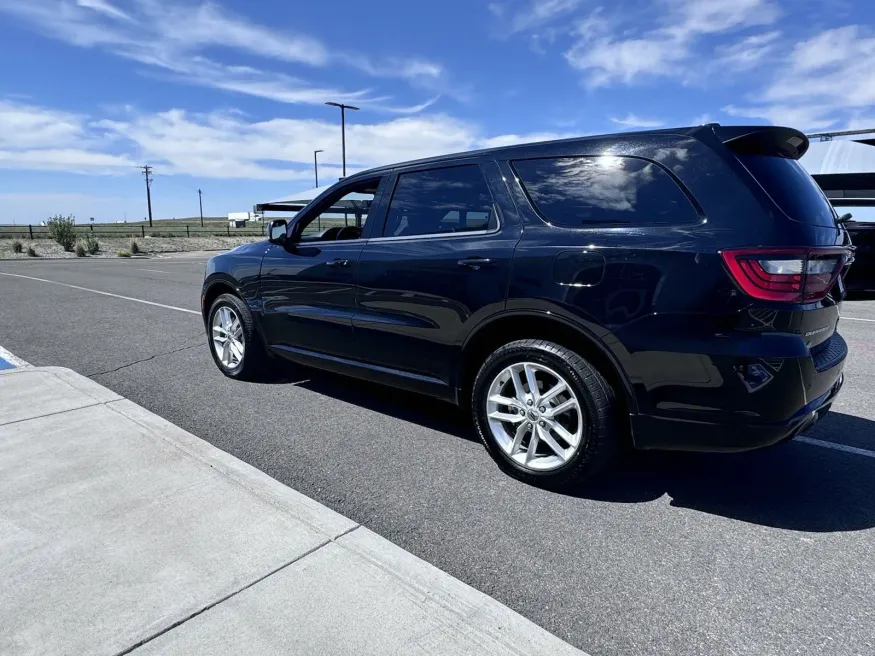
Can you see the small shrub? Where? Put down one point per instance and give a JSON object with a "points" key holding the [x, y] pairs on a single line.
{"points": [[135, 248], [80, 249], [63, 230], [31, 252], [124, 253], [91, 244], [17, 246]]}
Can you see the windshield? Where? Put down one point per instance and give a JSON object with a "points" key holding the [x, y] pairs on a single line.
{"points": [[791, 188]]}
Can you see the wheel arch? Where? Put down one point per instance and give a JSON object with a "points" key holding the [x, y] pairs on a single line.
{"points": [[513, 326], [215, 287]]}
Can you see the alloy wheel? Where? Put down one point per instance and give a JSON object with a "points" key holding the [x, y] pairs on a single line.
{"points": [[534, 416], [228, 337]]}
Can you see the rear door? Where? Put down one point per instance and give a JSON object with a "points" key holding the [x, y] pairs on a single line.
{"points": [[440, 264]]}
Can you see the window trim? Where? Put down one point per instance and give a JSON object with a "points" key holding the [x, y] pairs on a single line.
{"points": [[439, 235], [601, 225]]}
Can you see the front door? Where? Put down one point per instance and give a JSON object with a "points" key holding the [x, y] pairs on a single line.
{"points": [[308, 286], [440, 265]]}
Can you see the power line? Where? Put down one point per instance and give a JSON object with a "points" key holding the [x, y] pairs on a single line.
{"points": [[147, 172]]}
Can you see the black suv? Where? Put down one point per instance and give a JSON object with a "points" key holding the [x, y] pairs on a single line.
{"points": [[671, 289]]}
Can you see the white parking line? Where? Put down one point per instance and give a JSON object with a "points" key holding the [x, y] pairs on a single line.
{"points": [[837, 447], [857, 319], [153, 270], [97, 291]]}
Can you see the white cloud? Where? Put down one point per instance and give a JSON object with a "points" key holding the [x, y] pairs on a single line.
{"points": [[226, 144], [608, 49], [747, 52], [173, 37], [823, 82], [530, 15], [696, 17], [803, 117], [28, 126], [36, 138], [633, 121], [104, 8]]}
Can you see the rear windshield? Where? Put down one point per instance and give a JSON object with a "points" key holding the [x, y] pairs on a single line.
{"points": [[792, 189]]}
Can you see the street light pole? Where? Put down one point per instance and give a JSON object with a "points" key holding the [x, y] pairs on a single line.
{"points": [[200, 201], [316, 166], [343, 109]]}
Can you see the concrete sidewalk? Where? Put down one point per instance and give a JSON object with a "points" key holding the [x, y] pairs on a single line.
{"points": [[121, 533]]}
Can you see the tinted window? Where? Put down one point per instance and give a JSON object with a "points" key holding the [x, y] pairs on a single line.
{"points": [[440, 201], [576, 191], [792, 189]]}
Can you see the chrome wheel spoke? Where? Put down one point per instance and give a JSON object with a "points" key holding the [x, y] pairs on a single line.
{"points": [[518, 438], [572, 440], [562, 407], [533, 447], [553, 392], [504, 400], [518, 389], [506, 416], [530, 379], [544, 434], [236, 350]]}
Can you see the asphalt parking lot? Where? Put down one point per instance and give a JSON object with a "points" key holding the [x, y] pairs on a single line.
{"points": [[760, 553]]}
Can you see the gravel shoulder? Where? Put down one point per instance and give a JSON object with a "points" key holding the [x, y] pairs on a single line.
{"points": [[109, 247]]}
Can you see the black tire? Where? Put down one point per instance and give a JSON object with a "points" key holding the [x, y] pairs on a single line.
{"points": [[254, 362], [601, 440]]}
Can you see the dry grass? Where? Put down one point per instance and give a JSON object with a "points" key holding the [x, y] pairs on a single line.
{"points": [[109, 246]]}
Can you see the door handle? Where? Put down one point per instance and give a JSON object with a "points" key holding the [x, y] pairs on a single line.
{"points": [[476, 263], [338, 263]]}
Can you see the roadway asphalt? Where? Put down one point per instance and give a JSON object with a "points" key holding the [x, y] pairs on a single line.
{"points": [[759, 553]]}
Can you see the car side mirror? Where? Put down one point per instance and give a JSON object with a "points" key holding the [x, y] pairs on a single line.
{"points": [[276, 231]]}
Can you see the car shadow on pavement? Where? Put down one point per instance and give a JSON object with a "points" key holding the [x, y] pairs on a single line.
{"points": [[860, 296], [423, 410], [794, 485]]}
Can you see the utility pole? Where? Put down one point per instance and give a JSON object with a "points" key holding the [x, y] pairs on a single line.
{"points": [[316, 166], [343, 109], [200, 200], [147, 172]]}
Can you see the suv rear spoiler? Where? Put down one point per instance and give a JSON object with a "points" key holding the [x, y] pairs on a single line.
{"points": [[763, 140]]}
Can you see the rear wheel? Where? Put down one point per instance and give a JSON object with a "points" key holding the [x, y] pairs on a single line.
{"points": [[544, 413], [234, 343]]}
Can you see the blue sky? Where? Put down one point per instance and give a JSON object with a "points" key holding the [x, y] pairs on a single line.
{"points": [[229, 96]]}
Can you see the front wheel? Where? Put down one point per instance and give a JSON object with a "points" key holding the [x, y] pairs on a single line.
{"points": [[545, 414], [234, 342]]}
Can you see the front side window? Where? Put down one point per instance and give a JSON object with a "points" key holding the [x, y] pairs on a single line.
{"points": [[578, 191], [440, 201], [343, 215]]}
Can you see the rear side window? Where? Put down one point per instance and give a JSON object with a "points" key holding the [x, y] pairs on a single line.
{"points": [[791, 188], [579, 191], [440, 201]]}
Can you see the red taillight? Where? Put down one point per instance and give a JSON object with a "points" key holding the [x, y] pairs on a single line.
{"points": [[792, 275]]}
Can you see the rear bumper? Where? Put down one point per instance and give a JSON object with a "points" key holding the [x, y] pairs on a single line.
{"points": [[674, 434]]}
